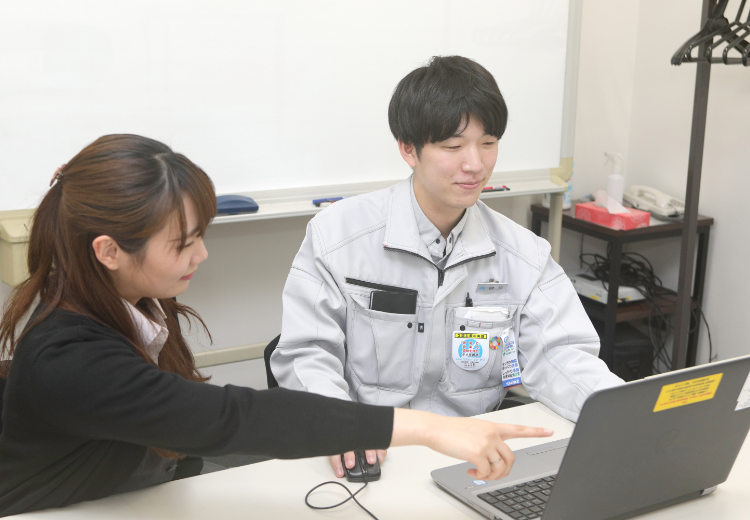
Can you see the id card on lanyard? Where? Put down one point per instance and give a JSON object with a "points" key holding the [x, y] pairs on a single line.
{"points": [[511, 369], [471, 351]]}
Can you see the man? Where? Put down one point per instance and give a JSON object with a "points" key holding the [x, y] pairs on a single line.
{"points": [[419, 296]]}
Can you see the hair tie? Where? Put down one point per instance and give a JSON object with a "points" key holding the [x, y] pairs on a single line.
{"points": [[58, 175]]}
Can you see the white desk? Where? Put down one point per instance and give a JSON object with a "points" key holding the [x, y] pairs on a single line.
{"points": [[276, 489]]}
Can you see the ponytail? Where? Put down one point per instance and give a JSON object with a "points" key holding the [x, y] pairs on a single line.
{"points": [[45, 278]]}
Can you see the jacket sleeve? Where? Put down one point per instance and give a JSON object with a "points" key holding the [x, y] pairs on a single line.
{"points": [[558, 345], [99, 388], [311, 353]]}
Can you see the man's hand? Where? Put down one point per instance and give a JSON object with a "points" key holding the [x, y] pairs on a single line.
{"points": [[371, 455]]}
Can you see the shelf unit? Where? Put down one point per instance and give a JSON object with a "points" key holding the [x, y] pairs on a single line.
{"points": [[613, 312], [628, 311]]}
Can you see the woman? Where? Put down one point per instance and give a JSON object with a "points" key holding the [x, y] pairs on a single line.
{"points": [[102, 393]]}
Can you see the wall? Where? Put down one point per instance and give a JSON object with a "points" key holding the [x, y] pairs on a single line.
{"points": [[605, 88], [237, 290], [603, 105], [4, 292], [660, 136], [631, 99]]}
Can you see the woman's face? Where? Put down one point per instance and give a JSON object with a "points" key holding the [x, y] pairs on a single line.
{"points": [[164, 271]]}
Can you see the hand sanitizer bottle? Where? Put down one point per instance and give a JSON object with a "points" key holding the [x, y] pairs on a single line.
{"points": [[615, 180], [568, 195]]}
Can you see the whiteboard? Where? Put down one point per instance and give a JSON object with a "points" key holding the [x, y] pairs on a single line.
{"points": [[261, 95]]}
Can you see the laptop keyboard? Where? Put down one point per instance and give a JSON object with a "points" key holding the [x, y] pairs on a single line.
{"points": [[523, 501]]}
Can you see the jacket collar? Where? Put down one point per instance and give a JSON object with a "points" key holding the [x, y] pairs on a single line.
{"points": [[402, 232]]}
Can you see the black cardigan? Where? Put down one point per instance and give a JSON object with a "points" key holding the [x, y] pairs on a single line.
{"points": [[80, 407]]}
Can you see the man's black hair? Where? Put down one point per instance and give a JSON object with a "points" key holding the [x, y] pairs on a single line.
{"points": [[435, 102]]}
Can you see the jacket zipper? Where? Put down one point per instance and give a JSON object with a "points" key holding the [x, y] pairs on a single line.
{"points": [[441, 272]]}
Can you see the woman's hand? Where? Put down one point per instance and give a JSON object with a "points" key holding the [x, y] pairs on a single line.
{"points": [[480, 442]]}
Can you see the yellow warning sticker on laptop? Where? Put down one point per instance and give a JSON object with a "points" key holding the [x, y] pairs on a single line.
{"points": [[687, 392]]}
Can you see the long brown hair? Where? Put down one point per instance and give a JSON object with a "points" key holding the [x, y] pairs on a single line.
{"points": [[127, 187]]}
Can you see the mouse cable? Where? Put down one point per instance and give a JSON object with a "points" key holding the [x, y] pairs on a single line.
{"points": [[352, 496]]}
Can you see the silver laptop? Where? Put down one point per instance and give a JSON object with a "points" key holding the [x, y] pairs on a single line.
{"points": [[636, 448]]}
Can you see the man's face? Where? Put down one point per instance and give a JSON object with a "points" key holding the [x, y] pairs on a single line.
{"points": [[449, 175]]}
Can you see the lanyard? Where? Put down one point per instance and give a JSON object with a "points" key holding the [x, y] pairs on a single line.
{"points": [[511, 369]]}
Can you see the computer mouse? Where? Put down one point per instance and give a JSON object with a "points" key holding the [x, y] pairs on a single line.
{"points": [[362, 471]]}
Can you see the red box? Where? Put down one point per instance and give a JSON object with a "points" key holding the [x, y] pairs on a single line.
{"points": [[599, 215]]}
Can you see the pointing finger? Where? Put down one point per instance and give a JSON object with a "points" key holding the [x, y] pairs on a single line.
{"points": [[509, 431]]}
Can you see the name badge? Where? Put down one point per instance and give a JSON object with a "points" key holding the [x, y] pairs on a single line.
{"points": [[493, 287], [471, 350]]}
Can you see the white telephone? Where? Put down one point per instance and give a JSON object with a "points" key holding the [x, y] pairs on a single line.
{"points": [[651, 199]]}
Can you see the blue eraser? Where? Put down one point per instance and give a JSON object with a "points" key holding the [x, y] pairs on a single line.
{"points": [[318, 202], [235, 204]]}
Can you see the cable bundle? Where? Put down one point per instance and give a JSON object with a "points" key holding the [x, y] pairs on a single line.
{"points": [[636, 271]]}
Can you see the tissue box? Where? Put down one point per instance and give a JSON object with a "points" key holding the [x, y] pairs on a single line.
{"points": [[599, 215]]}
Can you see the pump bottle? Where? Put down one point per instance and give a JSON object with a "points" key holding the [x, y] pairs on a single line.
{"points": [[615, 180]]}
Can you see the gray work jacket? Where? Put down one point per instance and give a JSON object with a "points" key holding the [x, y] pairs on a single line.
{"points": [[333, 344]]}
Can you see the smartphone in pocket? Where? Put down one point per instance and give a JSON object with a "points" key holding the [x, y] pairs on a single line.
{"points": [[394, 302]]}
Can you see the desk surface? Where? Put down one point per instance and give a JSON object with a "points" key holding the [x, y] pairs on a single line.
{"points": [[276, 489]]}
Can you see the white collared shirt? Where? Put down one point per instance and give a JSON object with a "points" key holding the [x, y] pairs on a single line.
{"points": [[153, 334], [440, 248]]}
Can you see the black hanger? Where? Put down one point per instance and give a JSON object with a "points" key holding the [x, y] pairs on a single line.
{"points": [[716, 23], [739, 41], [719, 34], [733, 35]]}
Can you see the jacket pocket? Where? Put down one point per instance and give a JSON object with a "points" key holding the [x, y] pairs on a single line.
{"points": [[381, 347], [460, 380]]}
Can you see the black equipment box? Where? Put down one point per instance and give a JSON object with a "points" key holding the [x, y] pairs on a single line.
{"points": [[633, 352]]}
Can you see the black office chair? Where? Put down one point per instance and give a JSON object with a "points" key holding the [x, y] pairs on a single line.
{"points": [[511, 401], [272, 383]]}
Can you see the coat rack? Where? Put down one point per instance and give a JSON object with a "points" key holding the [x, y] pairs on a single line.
{"points": [[719, 41]]}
